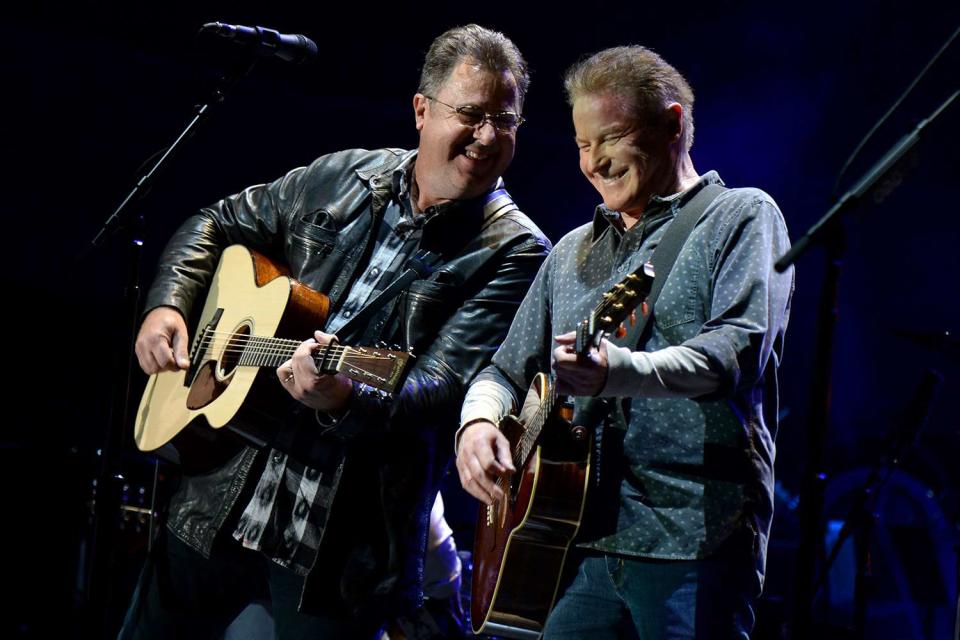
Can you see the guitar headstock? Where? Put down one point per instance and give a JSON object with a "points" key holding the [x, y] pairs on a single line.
{"points": [[617, 305], [380, 368]]}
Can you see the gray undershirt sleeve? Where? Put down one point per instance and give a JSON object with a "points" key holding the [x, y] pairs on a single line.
{"points": [[485, 400], [676, 371], [672, 372]]}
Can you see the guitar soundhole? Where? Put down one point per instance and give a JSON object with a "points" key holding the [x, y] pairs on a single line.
{"points": [[230, 358]]}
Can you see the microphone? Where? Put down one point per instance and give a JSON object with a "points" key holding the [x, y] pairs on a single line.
{"points": [[293, 48]]}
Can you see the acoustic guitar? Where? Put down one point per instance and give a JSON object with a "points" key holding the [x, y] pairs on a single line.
{"points": [[254, 317], [520, 545]]}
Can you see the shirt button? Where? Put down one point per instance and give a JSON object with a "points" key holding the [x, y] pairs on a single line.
{"points": [[347, 313], [374, 272]]}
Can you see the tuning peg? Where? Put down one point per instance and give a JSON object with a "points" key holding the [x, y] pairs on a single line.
{"points": [[381, 344]]}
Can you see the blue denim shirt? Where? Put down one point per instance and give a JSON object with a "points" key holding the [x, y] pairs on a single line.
{"points": [[683, 474]]}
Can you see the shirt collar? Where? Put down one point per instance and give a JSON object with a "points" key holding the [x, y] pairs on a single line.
{"points": [[604, 217], [402, 193]]}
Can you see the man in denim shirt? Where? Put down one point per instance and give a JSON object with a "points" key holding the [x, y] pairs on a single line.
{"points": [[675, 529]]}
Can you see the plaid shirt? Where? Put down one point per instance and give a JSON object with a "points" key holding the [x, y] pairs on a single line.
{"points": [[287, 513], [289, 507]]}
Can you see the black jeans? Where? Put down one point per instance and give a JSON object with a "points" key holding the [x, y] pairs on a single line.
{"points": [[181, 594]]}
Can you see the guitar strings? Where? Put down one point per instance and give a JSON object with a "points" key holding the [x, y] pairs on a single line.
{"points": [[227, 347], [263, 345], [532, 431], [334, 353], [530, 434], [525, 443], [266, 339], [282, 345]]}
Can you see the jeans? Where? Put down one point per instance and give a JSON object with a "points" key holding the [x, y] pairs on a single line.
{"points": [[618, 597]]}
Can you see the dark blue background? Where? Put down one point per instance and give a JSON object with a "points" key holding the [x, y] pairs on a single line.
{"points": [[784, 93]]}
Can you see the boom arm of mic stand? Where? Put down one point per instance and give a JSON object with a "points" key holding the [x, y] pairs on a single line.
{"points": [[867, 183], [143, 183]]}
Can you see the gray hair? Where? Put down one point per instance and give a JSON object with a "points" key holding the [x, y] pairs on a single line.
{"points": [[645, 81], [490, 49]]}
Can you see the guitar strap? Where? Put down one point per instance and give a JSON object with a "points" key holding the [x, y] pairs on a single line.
{"points": [[498, 204], [421, 265], [666, 253]]}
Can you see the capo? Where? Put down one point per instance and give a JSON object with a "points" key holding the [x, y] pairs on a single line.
{"points": [[324, 363]]}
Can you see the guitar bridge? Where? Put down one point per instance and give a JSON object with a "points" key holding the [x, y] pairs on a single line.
{"points": [[201, 343]]}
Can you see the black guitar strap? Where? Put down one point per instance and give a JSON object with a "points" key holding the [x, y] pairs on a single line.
{"points": [[666, 253], [421, 265]]}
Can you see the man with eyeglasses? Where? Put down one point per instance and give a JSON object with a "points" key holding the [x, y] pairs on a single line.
{"points": [[684, 415], [330, 522]]}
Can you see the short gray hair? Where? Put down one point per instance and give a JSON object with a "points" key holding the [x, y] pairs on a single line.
{"points": [[644, 80], [490, 49]]}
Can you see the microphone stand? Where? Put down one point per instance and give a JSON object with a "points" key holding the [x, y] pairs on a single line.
{"points": [[98, 559], [881, 179]]}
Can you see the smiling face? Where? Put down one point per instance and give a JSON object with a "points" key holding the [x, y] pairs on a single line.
{"points": [[626, 160], [454, 161]]}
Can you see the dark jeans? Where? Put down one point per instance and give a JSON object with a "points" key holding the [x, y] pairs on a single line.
{"points": [[181, 594], [613, 597]]}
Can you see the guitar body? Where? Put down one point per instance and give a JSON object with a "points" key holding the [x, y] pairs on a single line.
{"points": [[520, 547], [248, 296]]}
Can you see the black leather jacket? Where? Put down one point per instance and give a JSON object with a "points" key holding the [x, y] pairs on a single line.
{"points": [[371, 556]]}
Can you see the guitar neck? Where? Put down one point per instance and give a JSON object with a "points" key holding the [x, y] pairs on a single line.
{"points": [[586, 339], [266, 351], [379, 368]]}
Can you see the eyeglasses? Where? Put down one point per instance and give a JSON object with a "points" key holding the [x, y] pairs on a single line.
{"points": [[473, 116]]}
